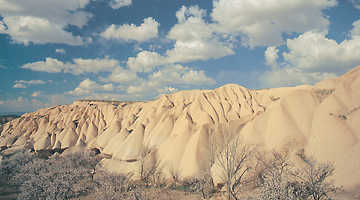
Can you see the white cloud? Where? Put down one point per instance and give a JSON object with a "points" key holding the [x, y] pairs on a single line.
{"points": [[290, 76], [97, 65], [197, 50], [36, 94], [116, 4], [315, 53], [169, 77], [20, 104], [195, 39], [32, 82], [356, 3], [26, 29], [43, 21], [120, 75], [310, 58], [19, 85], [25, 84], [271, 56], [50, 65], [78, 66], [61, 51], [355, 32], [145, 61], [262, 23], [3, 28], [180, 75], [88, 86], [126, 32]]}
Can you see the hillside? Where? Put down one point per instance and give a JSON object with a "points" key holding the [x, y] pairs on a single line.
{"points": [[321, 120], [6, 118]]}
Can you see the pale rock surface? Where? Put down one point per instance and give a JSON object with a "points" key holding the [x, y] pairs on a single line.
{"points": [[321, 120]]}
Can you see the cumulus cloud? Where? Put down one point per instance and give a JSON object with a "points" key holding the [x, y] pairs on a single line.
{"points": [[61, 51], [355, 32], [43, 21], [26, 29], [262, 23], [120, 75], [314, 52], [88, 86], [124, 84], [169, 77], [145, 61], [3, 28], [126, 32], [97, 65], [20, 104], [194, 38], [50, 65], [25, 84], [36, 94], [116, 4], [290, 76], [181, 75], [310, 58], [19, 85], [78, 66], [271, 56], [356, 3]]}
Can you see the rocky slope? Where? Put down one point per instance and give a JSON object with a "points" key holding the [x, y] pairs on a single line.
{"points": [[6, 118], [321, 120]]}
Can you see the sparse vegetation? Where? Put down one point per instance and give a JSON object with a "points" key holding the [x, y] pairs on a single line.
{"points": [[282, 180], [75, 176], [322, 94], [111, 186], [59, 177], [233, 164]]}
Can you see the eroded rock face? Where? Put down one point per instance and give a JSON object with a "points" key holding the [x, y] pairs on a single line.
{"points": [[321, 120]]}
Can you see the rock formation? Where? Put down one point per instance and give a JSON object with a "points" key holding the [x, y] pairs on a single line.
{"points": [[322, 120]]}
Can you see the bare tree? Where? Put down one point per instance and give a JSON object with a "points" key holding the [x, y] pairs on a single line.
{"points": [[59, 177], [233, 162], [275, 182], [111, 186], [148, 166], [202, 185], [283, 181], [314, 179]]}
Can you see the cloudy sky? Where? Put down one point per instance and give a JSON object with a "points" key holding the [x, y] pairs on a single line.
{"points": [[53, 52]]}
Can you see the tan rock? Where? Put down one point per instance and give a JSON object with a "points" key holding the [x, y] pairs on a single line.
{"points": [[322, 120]]}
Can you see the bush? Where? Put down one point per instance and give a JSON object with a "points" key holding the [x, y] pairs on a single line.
{"points": [[203, 186], [280, 180], [59, 177], [11, 165], [111, 186]]}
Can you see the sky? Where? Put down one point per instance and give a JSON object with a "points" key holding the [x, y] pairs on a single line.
{"points": [[53, 52]]}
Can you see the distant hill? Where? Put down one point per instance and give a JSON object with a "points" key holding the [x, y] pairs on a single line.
{"points": [[6, 118]]}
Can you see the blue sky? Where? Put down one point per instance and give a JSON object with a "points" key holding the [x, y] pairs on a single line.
{"points": [[54, 52]]}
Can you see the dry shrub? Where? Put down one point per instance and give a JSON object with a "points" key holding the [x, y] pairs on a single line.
{"points": [[282, 180], [59, 177]]}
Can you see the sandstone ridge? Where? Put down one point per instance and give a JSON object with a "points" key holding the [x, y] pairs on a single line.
{"points": [[322, 120]]}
